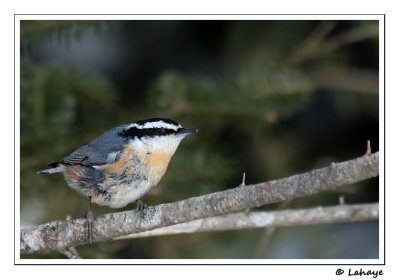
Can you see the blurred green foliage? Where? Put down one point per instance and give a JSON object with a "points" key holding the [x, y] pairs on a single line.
{"points": [[271, 98]]}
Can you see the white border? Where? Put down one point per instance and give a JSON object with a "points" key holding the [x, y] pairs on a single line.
{"points": [[382, 187], [199, 17], [17, 140]]}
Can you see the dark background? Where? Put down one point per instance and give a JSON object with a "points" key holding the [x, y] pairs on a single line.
{"points": [[271, 98]]}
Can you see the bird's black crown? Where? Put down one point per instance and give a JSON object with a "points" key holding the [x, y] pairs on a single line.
{"points": [[151, 127]]}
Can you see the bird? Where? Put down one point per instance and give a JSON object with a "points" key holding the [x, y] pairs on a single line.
{"points": [[122, 164]]}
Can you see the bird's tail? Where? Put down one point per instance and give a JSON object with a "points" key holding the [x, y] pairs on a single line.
{"points": [[53, 168]]}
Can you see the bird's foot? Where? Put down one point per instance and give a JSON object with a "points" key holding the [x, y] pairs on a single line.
{"points": [[141, 207]]}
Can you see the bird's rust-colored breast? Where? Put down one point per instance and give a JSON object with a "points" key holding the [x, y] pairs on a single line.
{"points": [[152, 162], [158, 160]]}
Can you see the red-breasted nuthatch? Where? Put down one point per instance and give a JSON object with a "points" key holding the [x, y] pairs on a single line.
{"points": [[122, 164]]}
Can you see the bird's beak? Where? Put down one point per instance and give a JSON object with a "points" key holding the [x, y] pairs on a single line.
{"points": [[187, 131]]}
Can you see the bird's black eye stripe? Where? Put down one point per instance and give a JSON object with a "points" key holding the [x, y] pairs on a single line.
{"points": [[137, 132]]}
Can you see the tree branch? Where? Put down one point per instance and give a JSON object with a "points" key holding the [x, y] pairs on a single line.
{"points": [[63, 234], [264, 219]]}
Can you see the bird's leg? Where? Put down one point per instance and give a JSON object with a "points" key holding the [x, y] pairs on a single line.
{"points": [[90, 220], [140, 206]]}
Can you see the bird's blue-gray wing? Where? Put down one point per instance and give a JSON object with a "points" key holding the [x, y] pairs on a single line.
{"points": [[104, 149], [89, 156]]}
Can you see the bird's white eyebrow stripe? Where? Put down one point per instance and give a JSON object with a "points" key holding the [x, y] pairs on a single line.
{"points": [[158, 124]]}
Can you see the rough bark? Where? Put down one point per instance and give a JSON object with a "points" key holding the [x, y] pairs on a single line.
{"points": [[264, 219], [62, 234]]}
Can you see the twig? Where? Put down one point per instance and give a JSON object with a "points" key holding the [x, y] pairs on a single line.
{"points": [[345, 79], [318, 43], [351, 36], [368, 152], [243, 179], [71, 253], [58, 235], [268, 233], [273, 219]]}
